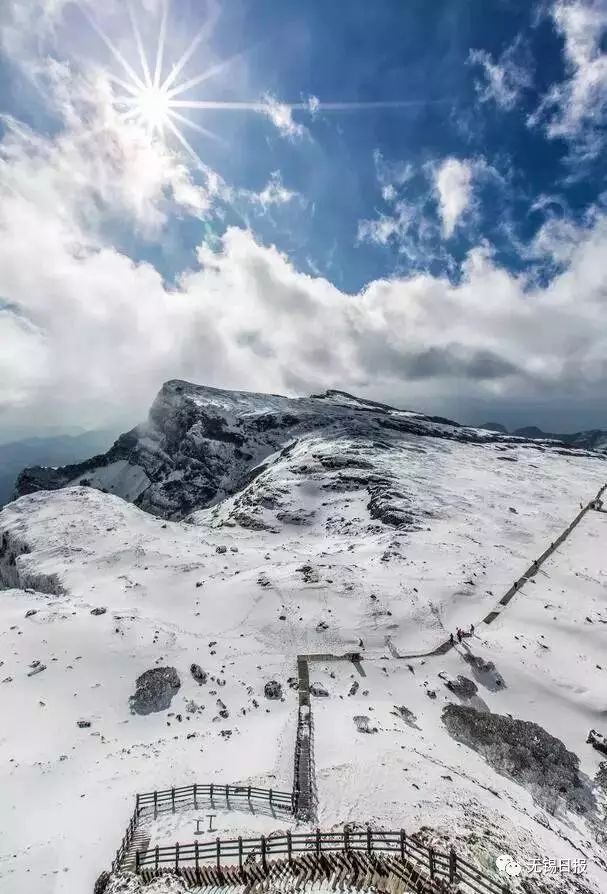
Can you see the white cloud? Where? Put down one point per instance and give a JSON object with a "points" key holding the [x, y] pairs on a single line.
{"points": [[89, 336], [281, 116], [273, 193], [576, 108], [453, 184], [505, 79]]}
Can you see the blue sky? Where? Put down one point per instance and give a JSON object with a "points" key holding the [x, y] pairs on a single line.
{"points": [[402, 199]]}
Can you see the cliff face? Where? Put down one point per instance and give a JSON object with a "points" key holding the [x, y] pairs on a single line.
{"points": [[202, 444]]}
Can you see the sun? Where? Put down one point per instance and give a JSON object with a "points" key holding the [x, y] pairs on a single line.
{"points": [[153, 107]]}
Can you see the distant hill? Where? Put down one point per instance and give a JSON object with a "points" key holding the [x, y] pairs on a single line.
{"points": [[593, 439], [52, 451]]}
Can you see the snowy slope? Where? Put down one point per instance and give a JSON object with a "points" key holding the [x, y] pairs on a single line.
{"points": [[351, 530]]}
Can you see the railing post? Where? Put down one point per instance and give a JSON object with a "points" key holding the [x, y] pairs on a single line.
{"points": [[173, 798], [137, 861], [155, 805], [452, 865], [240, 852], [318, 841], [249, 795], [137, 805], [157, 857], [369, 840], [211, 794], [403, 844], [264, 862], [218, 845], [196, 858], [228, 795], [431, 861], [346, 840], [177, 855], [289, 846], [195, 796]]}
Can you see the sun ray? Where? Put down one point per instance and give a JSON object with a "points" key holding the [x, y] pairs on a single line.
{"points": [[114, 50], [186, 145], [161, 40], [211, 104], [140, 49], [185, 58], [130, 88], [209, 73], [197, 127]]}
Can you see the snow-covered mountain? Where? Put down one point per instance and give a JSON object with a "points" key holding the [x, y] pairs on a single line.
{"points": [[202, 444], [277, 528]]}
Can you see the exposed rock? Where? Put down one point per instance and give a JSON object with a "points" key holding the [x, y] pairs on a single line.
{"points": [[155, 690], [318, 690], [363, 724], [221, 549], [524, 752], [36, 668], [597, 740], [272, 690], [30, 612], [354, 688], [462, 686], [101, 883], [199, 675], [83, 724], [405, 714], [100, 610]]}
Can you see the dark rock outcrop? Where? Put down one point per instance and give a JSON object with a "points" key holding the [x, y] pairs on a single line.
{"points": [[154, 691], [524, 752]]}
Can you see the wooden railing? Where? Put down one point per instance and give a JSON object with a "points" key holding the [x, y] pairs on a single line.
{"points": [[126, 842], [189, 795], [229, 852]]}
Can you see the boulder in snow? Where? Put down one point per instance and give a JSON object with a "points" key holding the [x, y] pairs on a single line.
{"points": [[272, 690], [155, 690]]}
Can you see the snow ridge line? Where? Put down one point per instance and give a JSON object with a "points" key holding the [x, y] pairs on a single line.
{"points": [[527, 575]]}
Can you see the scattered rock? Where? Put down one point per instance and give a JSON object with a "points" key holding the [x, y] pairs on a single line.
{"points": [[83, 724], [354, 688], [155, 690], [100, 610], [30, 612], [318, 690], [221, 549]]}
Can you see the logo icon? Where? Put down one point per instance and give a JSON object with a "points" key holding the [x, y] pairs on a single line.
{"points": [[506, 863]]}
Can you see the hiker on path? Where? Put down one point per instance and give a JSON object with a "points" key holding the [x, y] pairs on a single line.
{"points": [[460, 633], [451, 639], [471, 629]]}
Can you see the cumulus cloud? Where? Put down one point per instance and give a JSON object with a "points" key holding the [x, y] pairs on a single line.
{"points": [[88, 330], [576, 108], [453, 184], [505, 79]]}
